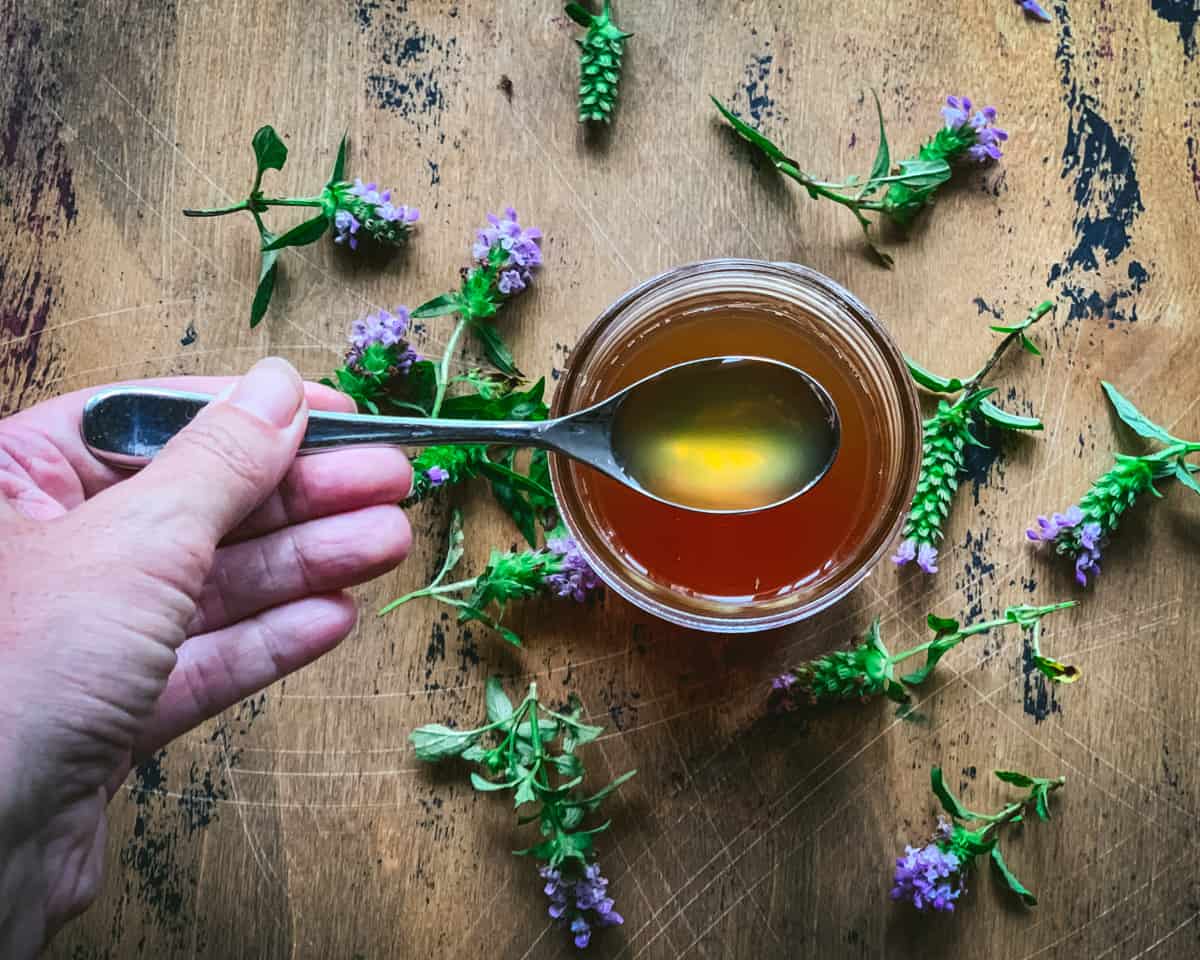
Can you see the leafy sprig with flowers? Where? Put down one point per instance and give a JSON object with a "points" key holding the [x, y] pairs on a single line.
{"points": [[1084, 528], [869, 670], [354, 210], [557, 569], [946, 436], [548, 778], [385, 374], [934, 876], [898, 192]]}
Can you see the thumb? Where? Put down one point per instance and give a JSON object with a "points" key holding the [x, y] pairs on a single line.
{"points": [[229, 458]]}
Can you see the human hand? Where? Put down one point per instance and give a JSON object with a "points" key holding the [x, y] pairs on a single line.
{"points": [[134, 607]]}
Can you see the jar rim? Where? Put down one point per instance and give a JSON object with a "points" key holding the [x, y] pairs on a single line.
{"points": [[899, 495]]}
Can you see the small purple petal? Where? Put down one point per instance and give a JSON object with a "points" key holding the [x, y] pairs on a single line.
{"points": [[927, 558], [905, 553], [1034, 9]]}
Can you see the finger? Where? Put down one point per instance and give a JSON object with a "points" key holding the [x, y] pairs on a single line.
{"points": [[216, 670], [222, 465], [327, 483], [53, 427], [311, 558]]}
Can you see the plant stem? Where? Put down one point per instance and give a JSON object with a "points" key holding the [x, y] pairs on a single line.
{"points": [[429, 592], [1004, 344], [1011, 811], [217, 211], [293, 202], [444, 369]]}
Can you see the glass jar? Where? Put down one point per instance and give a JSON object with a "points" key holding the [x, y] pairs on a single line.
{"points": [[756, 571]]}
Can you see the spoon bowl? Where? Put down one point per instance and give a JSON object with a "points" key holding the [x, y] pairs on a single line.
{"points": [[717, 435]]}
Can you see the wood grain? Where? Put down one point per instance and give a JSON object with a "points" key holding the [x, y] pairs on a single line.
{"points": [[300, 824]]}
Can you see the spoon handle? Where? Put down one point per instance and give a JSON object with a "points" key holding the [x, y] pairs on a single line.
{"points": [[127, 426]]}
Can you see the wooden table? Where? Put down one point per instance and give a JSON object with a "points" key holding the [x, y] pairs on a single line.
{"points": [[300, 824]]}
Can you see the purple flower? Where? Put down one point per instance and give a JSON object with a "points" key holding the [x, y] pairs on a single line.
{"points": [[930, 878], [571, 901], [1051, 529], [574, 576], [437, 476], [1034, 9], [520, 246], [909, 550], [346, 227], [784, 682], [905, 553], [1072, 536], [369, 193], [385, 329], [401, 214], [988, 137]]}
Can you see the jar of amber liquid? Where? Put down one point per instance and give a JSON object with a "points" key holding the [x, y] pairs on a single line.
{"points": [[755, 571]]}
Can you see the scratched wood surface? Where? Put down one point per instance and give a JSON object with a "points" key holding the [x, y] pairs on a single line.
{"points": [[300, 824]]}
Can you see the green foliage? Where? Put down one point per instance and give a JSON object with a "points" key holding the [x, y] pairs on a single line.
{"points": [[524, 758]]}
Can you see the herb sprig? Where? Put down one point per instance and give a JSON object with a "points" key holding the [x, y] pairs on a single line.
{"points": [[524, 760], [901, 191], [935, 875], [600, 53], [558, 569], [353, 209], [1086, 527], [946, 436], [869, 670], [384, 374]]}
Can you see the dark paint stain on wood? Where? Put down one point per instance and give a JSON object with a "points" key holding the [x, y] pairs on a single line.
{"points": [[1184, 14], [1107, 196]]}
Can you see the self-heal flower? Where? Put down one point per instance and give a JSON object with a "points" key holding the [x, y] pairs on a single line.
{"points": [[1035, 10], [383, 328], [437, 475], [581, 903], [518, 251], [363, 207], [930, 878], [574, 577]]}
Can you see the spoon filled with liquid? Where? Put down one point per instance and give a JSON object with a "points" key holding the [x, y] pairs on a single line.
{"points": [[719, 435]]}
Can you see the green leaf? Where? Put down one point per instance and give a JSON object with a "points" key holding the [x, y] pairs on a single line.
{"points": [[949, 803], [748, 133], [1137, 421], [434, 741], [941, 624], [310, 231], [270, 152], [525, 793], [1008, 421], [1055, 671], [339, 165], [494, 348], [489, 786], [1184, 476], [499, 707], [883, 157], [567, 764], [578, 14], [439, 306], [511, 499], [592, 802], [931, 381], [418, 388], [1016, 779], [266, 286], [1039, 801], [1029, 346], [454, 549], [1013, 883]]}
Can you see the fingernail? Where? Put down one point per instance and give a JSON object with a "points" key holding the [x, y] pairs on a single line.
{"points": [[272, 391]]}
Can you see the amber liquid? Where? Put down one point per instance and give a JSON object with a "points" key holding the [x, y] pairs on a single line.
{"points": [[757, 555]]}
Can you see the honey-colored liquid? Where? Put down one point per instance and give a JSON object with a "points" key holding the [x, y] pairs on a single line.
{"points": [[725, 434], [757, 555]]}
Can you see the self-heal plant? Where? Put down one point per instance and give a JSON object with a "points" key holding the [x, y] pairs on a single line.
{"points": [[898, 192], [869, 670], [600, 53], [1085, 527], [946, 436], [515, 751], [934, 876], [355, 210], [558, 569]]}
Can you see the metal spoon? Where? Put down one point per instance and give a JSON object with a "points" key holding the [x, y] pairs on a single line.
{"points": [[127, 426]]}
